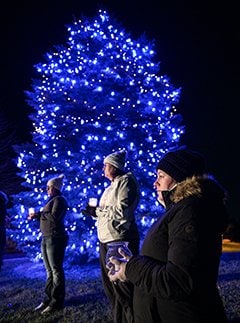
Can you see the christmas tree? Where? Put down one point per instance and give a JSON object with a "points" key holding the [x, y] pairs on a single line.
{"points": [[99, 93]]}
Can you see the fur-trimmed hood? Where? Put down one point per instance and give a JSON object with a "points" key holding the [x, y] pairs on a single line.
{"points": [[201, 186]]}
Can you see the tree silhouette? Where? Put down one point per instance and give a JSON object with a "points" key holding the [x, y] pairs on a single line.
{"points": [[10, 179]]}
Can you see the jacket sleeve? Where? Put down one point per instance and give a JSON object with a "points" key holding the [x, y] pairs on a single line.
{"points": [[126, 199], [156, 279], [174, 278]]}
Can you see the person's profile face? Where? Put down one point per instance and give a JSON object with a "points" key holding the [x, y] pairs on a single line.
{"points": [[51, 190], [163, 182], [109, 171]]}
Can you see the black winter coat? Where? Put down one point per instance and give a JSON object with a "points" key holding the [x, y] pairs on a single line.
{"points": [[52, 216], [175, 277]]}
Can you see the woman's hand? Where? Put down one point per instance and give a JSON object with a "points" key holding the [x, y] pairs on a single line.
{"points": [[117, 266], [90, 211]]}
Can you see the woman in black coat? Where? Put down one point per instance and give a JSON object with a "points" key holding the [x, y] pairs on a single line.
{"points": [[175, 276], [53, 245]]}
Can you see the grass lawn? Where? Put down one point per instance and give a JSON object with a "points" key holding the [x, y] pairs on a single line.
{"points": [[21, 289], [22, 283]]}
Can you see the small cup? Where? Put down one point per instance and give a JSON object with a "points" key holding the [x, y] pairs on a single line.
{"points": [[92, 202], [112, 250]]}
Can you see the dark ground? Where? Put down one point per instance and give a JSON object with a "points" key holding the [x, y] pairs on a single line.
{"points": [[22, 281]]}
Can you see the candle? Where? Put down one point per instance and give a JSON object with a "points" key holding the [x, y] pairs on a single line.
{"points": [[93, 201]]}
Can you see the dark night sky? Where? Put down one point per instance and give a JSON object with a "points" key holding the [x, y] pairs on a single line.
{"points": [[196, 42]]}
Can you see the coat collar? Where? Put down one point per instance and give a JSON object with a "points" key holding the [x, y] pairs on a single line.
{"points": [[204, 185]]}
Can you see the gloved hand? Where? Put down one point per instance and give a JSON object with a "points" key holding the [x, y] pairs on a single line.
{"points": [[90, 211]]}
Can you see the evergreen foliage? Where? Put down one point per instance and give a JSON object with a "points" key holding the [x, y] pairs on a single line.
{"points": [[99, 93]]}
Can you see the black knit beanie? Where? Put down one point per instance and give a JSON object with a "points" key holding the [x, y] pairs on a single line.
{"points": [[182, 163]]}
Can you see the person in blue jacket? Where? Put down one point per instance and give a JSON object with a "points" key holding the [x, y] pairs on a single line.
{"points": [[175, 276]]}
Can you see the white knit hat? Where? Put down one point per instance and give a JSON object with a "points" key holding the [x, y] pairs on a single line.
{"points": [[56, 182], [116, 159]]}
